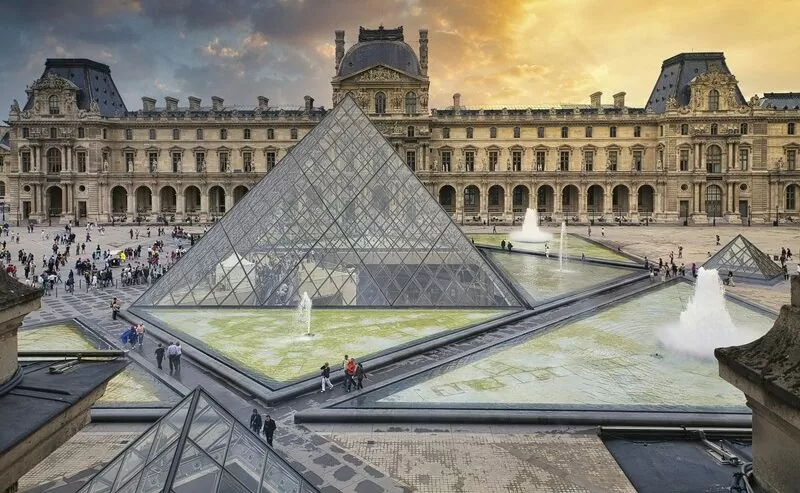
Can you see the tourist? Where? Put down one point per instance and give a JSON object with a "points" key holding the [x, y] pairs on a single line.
{"points": [[350, 373], [326, 376], [589, 230], [509, 245], [547, 250], [360, 376], [115, 306], [717, 240], [140, 335], [729, 280], [788, 252], [502, 244], [694, 270], [159, 355], [583, 256], [255, 422], [269, 428], [494, 229], [674, 270], [178, 355], [660, 263], [785, 269], [682, 270], [603, 231], [172, 352], [652, 275], [680, 251], [344, 363], [646, 263]]}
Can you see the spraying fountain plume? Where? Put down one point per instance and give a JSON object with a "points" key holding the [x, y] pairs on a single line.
{"points": [[530, 232], [304, 313], [705, 323], [562, 247]]}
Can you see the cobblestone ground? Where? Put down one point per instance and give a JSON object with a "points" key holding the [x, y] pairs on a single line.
{"points": [[87, 450], [491, 462], [657, 241]]}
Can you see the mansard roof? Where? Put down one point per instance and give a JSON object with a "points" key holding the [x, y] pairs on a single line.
{"points": [[536, 110], [380, 46], [234, 110], [92, 80], [781, 100], [676, 74]]}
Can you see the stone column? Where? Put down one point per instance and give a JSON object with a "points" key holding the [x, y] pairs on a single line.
{"points": [[228, 201], [180, 206], [204, 201], [131, 205], [459, 209], [484, 209], [155, 202], [69, 159]]}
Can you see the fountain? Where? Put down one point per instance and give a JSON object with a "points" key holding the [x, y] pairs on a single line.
{"points": [[304, 313], [562, 247], [530, 232], [705, 323]]}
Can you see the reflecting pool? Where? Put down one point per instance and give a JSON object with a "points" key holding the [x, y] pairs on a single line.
{"points": [[575, 246]]}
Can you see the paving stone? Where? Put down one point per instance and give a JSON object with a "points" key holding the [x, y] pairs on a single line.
{"points": [[344, 473], [368, 486], [373, 472], [352, 459], [327, 460]]}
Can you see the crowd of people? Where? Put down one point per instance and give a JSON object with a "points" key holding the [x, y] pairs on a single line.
{"points": [[354, 375]]}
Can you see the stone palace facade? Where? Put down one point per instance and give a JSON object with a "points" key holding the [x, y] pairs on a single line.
{"points": [[698, 151]]}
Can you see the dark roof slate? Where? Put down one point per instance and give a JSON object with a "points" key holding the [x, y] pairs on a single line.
{"points": [[781, 100]]}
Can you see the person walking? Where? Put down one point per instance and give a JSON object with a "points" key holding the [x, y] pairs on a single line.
{"points": [[350, 373], [255, 422], [269, 428], [603, 231], [159, 355], [360, 376], [717, 240], [326, 376], [140, 335], [178, 354], [115, 306], [172, 351]]}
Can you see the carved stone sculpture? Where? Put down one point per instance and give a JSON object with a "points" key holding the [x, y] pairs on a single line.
{"points": [[15, 107], [105, 166], [94, 107]]}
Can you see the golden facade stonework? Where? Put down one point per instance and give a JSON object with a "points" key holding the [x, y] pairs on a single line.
{"points": [[696, 152]]}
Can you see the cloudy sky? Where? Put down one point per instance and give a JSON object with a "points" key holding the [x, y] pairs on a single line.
{"points": [[493, 52]]}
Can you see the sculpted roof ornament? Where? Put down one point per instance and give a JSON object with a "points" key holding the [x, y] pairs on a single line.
{"points": [[379, 74], [53, 81], [380, 34]]}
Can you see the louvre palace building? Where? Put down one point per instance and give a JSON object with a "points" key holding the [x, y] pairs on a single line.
{"points": [[696, 151]]}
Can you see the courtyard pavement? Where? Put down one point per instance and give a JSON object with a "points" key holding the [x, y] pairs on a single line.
{"points": [[325, 461]]}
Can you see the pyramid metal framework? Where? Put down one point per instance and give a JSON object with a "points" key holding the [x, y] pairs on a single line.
{"points": [[745, 260], [343, 219], [198, 446]]}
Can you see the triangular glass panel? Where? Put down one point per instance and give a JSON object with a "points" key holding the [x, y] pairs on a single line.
{"points": [[196, 471], [341, 193]]}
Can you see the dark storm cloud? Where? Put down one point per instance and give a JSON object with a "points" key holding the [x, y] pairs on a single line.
{"points": [[198, 14]]}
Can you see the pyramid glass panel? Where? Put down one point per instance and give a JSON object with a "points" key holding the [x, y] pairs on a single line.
{"points": [[745, 260], [194, 453], [342, 219]]}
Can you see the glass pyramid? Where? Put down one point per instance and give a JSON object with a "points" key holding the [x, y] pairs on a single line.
{"points": [[210, 452], [745, 260], [343, 219]]}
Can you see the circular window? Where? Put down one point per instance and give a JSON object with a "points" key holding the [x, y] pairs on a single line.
{"points": [[27, 188], [81, 188], [743, 187], [684, 187]]}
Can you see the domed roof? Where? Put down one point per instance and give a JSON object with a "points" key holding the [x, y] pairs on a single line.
{"points": [[394, 54]]}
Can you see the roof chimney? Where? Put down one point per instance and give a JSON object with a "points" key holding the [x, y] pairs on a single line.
{"points": [[216, 103], [457, 102], [423, 51], [172, 103], [339, 49], [194, 103], [309, 103], [594, 99], [148, 104], [263, 102], [619, 100]]}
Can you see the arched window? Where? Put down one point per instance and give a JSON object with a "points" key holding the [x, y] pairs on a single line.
{"points": [[411, 103], [52, 103], [744, 129], [714, 159], [492, 132], [713, 100], [223, 134], [714, 129], [53, 160], [380, 103], [684, 129]]}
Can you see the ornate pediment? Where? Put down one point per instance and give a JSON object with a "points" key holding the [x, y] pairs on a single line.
{"points": [[52, 81], [380, 73]]}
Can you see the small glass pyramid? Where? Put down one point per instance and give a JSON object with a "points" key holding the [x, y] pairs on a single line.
{"points": [[210, 452], [343, 219], [745, 260]]}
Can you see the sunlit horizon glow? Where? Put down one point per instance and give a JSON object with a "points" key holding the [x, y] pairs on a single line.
{"points": [[494, 53]]}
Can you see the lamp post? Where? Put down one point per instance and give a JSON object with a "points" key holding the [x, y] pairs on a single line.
{"points": [[776, 215], [749, 214]]}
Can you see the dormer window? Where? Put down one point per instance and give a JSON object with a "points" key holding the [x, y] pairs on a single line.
{"points": [[713, 100], [380, 103], [52, 103]]}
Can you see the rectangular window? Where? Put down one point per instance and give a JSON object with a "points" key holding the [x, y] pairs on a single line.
{"points": [[26, 133], [200, 134], [588, 160], [540, 160], [637, 131], [81, 156], [563, 162], [2, 164], [270, 134], [446, 161], [151, 134], [684, 159], [469, 161], [492, 132], [128, 134], [637, 161], [293, 134], [588, 132], [613, 159], [270, 160], [411, 160], [790, 128], [445, 133], [176, 162], [516, 160], [469, 132], [223, 162], [684, 129], [744, 159], [791, 159], [492, 160], [176, 134], [540, 132], [53, 133], [661, 130], [81, 133], [26, 162], [200, 161], [247, 134], [152, 161], [517, 132], [564, 132], [410, 131], [105, 134], [129, 162]]}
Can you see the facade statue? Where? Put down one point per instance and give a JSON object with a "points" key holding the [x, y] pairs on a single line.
{"points": [[105, 166], [435, 164], [460, 165], [15, 107], [659, 165], [180, 165], [508, 164], [754, 101], [94, 107]]}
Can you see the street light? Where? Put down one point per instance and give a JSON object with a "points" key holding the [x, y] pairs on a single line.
{"points": [[749, 214], [776, 214]]}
